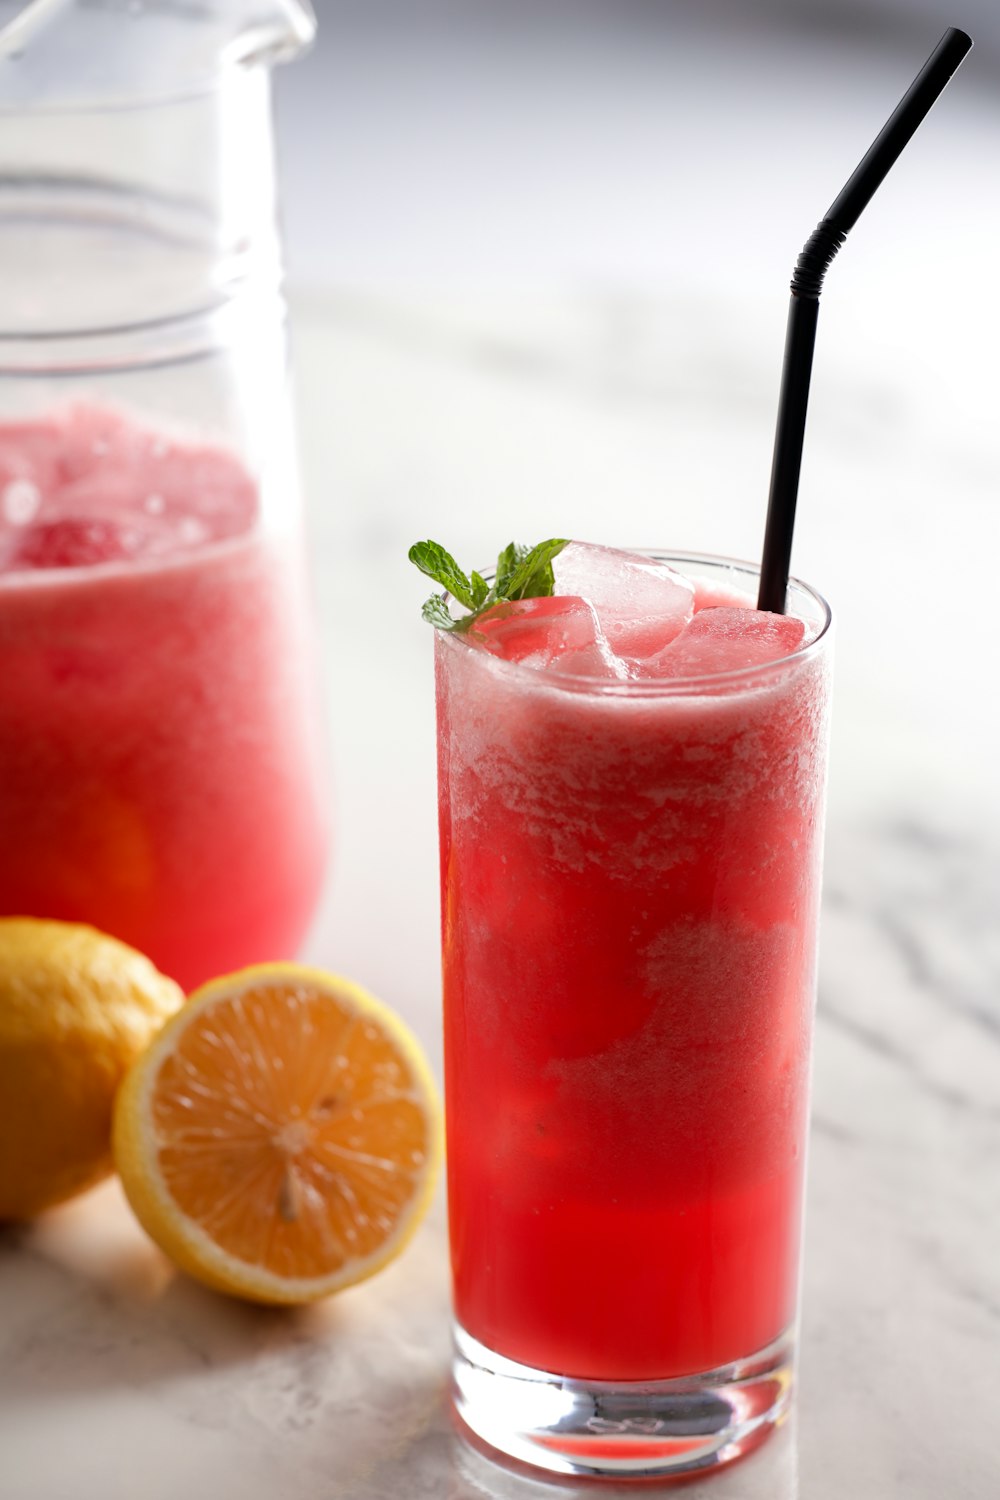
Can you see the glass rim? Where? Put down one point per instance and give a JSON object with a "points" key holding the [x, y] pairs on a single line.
{"points": [[678, 687]]}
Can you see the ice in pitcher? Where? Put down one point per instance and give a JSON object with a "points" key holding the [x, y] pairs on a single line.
{"points": [[86, 486]]}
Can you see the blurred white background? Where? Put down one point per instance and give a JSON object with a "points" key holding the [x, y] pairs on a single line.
{"points": [[444, 141]]}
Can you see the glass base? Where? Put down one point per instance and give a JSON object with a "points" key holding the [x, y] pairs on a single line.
{"points": [[610, 1429]]}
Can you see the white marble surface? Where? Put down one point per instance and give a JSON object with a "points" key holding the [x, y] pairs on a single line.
{"points": [[122, 1379]]}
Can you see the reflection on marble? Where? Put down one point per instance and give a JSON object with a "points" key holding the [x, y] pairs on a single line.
{"points": [[770, 1475], [120, 1379]]}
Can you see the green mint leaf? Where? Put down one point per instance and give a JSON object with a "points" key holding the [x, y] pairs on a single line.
{"points": [[508, 563], [435, 612], [522, 573], [480, 590], [533, 577], [508, 559], [432, 559]]}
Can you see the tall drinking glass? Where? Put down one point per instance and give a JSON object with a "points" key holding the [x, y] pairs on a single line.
{"points": [[630, 885], [160, 766]]}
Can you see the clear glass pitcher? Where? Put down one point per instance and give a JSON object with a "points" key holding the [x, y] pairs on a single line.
{"points": [[160, 765]]}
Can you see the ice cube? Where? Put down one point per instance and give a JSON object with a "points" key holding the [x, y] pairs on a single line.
{"points": [[562, 633], [103, 487], [29, 453], [197, 494], [641, 604], [20, 501], [115, 492], [205, 483], [93, 437], [712, 594], [726, 640]]}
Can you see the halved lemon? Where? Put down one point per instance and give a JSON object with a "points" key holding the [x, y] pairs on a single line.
{"points": [[281, 1138]]}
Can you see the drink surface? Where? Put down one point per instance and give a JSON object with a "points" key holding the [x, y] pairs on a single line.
{"points": [[630, 869], [159, 767]]}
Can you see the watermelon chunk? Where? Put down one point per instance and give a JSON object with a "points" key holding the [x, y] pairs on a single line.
{"points": [[75, 542]]}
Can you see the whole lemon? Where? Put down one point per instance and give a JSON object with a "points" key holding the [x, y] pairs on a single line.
{"points": [[76, 1007]]}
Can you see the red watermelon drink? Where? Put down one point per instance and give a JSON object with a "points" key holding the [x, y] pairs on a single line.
{"points": [[160, 775], [631, 810]]}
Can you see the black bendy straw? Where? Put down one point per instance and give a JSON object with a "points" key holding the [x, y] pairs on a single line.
{"points": [[803, 311]]}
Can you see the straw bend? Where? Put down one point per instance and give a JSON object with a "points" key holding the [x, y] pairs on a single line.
{"points": [[814, 261]]}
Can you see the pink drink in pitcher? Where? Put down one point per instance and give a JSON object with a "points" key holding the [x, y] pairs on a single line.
{"points": [[160, 771]]}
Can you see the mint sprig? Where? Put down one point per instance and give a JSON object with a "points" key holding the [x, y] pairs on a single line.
{"points": [[521, 573]]}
